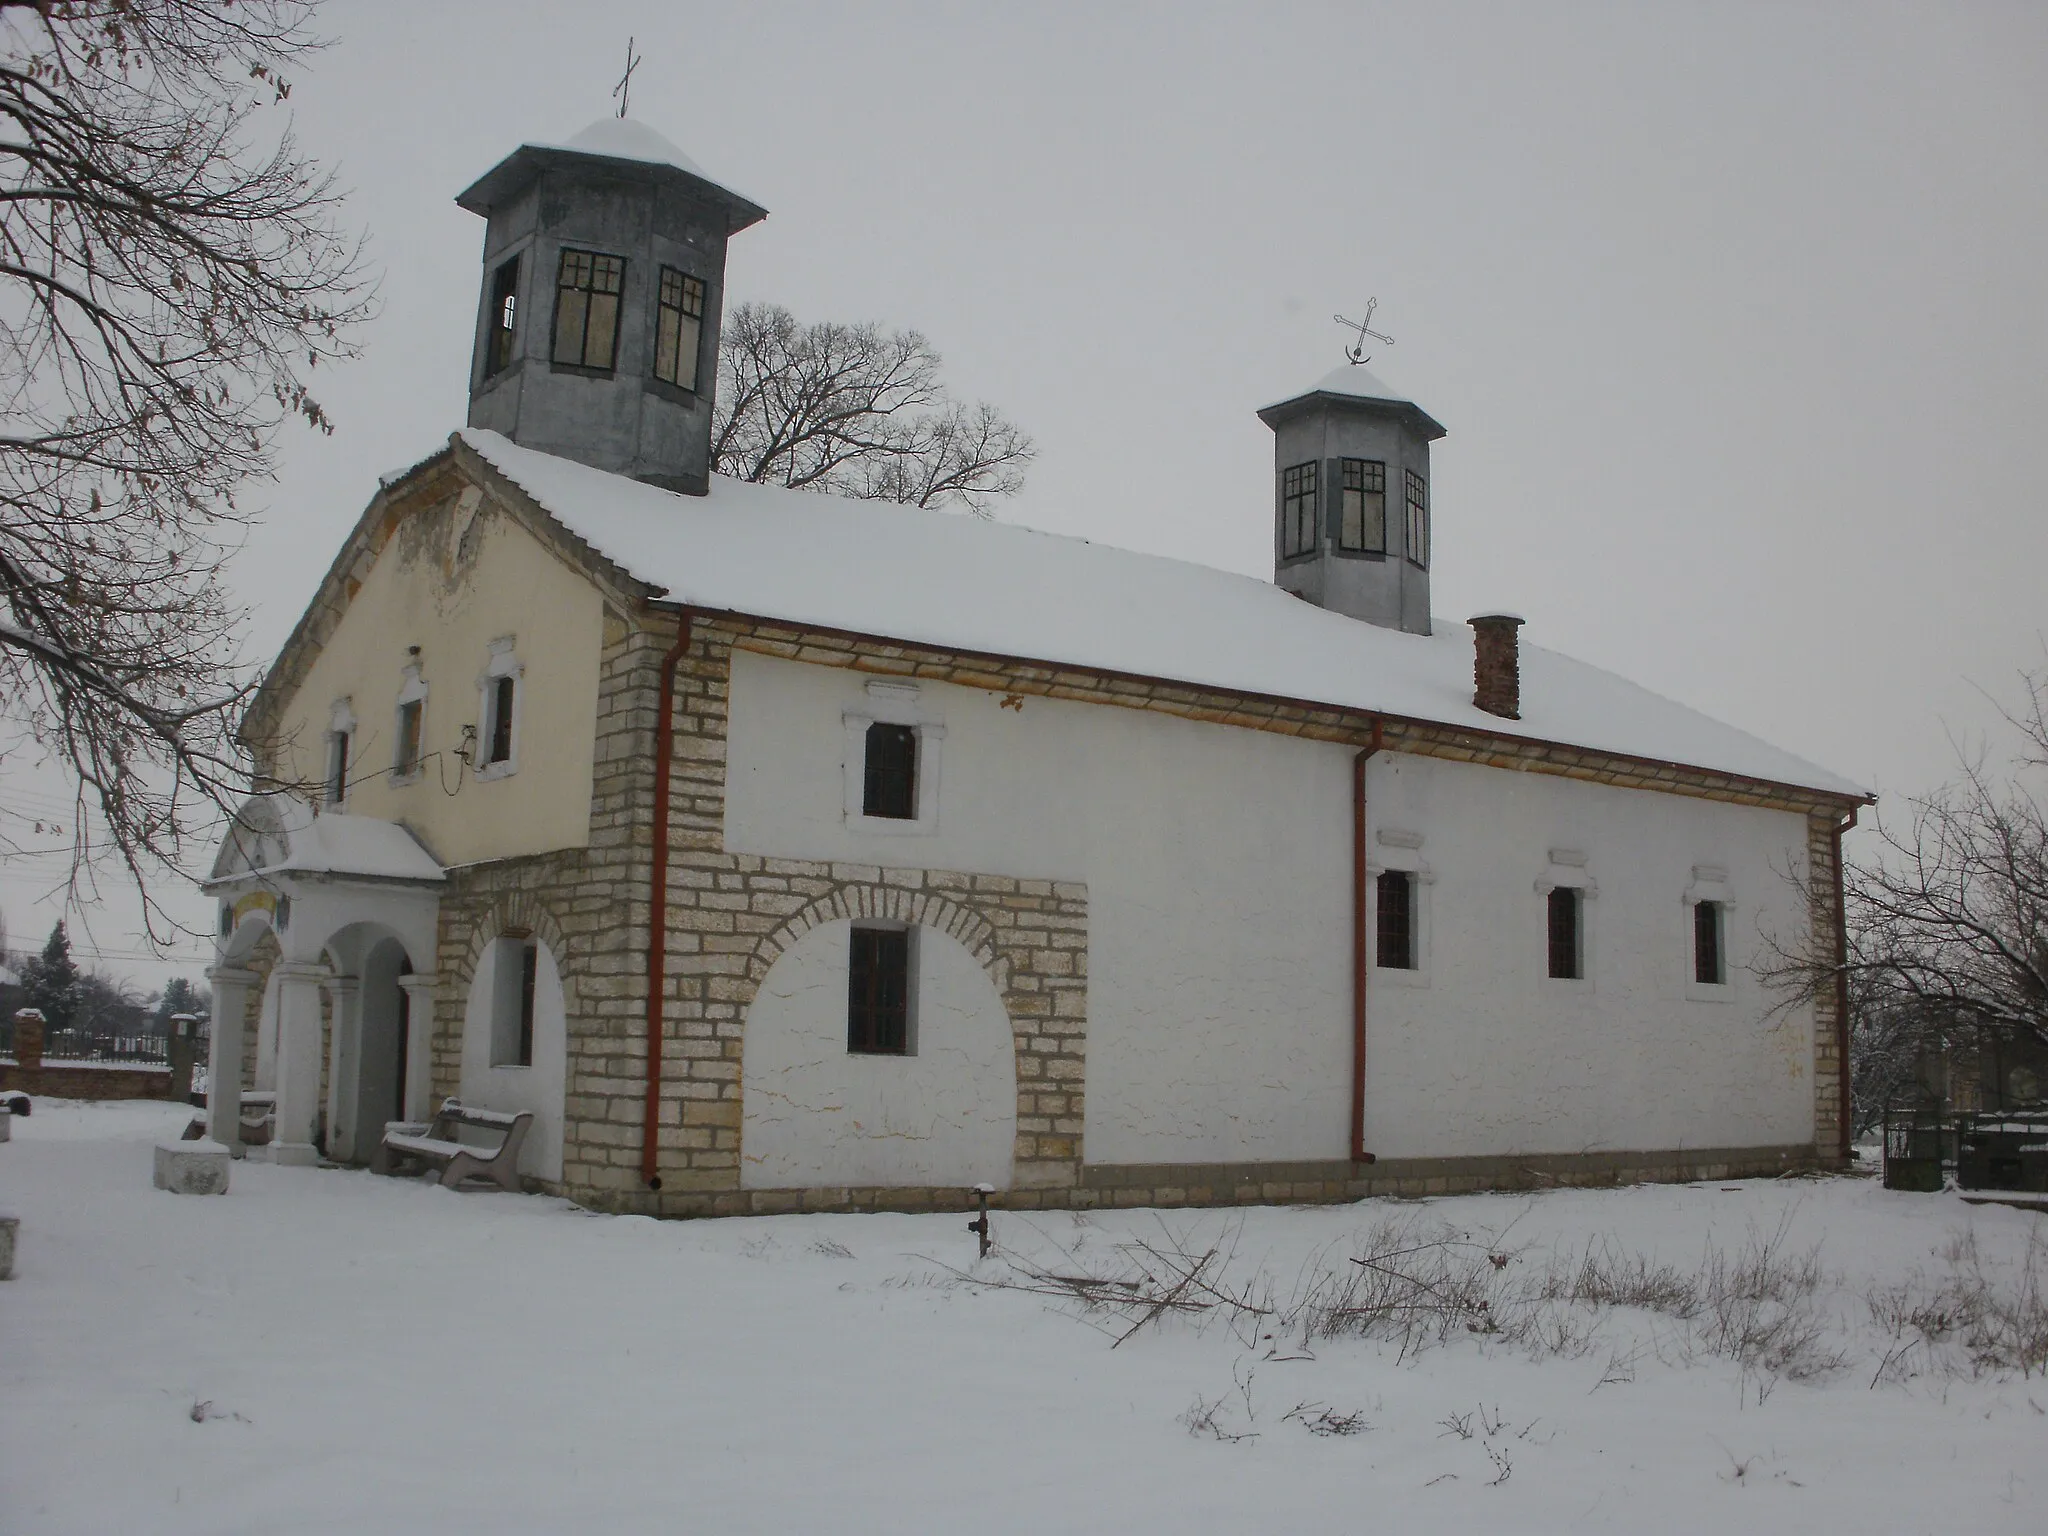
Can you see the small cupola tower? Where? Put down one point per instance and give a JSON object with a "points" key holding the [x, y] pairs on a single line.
{"points": [[603, 283], [1351, 499]]}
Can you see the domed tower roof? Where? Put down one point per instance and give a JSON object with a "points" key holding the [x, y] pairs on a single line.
{"points": [[1353, 382]]}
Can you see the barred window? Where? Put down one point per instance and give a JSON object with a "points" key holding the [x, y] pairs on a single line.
{"points": [[890, 787], [1362, 509], [587, 309], [878, 993], [1298, 510], [678, 320], [1397, 920], [1418, 520]]}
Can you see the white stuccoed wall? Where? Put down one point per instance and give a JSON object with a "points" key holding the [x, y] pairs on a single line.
{"points": [[816, 1114], [1483, 1054], [1218, 863], [539, 1087]]}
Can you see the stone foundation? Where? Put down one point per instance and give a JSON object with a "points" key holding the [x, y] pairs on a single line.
{"points": [[1107, 1186]]}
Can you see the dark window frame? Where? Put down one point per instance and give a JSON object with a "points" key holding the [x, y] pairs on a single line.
{"points": [[675, 292], [878, 983], [1566, 933], [409, 749], [1370, 476], [502, 338], [504, 708], [1298, 520], [1709, 949], [889, 771], [529, 973], [604, 277], [512, 1015], [1417, 500], [1394, 922], [337, 766]]}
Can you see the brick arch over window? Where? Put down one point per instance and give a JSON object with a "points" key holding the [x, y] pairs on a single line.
{"points": [[1030, 940], [517, 911], [890, 904]]}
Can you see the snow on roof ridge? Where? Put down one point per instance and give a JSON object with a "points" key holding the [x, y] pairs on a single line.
{"points": [[956, 582]]}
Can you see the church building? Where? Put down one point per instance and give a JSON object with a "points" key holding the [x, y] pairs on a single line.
{"points": [[781, 851]]}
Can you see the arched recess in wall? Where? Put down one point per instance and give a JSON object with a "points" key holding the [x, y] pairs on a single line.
{"points": [[813, 1112], [517, 996]]}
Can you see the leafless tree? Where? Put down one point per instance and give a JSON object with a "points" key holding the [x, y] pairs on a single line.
{"points": [[1946, 917], [857, 411], [172, 269]]}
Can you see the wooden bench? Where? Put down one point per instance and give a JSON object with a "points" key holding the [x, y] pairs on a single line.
{"points": [[433, 1143], [259, 1119]]}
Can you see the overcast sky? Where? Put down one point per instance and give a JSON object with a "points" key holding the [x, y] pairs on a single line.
{"points": [[1735, 313]]}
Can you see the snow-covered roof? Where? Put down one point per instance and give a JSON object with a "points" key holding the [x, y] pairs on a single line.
{"points": [[1354, 381], [9, 978], [956, 582], [624, 139], [282, 835], [612, 138]]}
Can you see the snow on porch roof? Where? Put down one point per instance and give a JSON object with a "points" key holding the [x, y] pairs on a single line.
{"points": [[287, 837], [956, 582]]}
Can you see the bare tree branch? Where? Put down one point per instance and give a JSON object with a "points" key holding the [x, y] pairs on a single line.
{"points": [[856, 411], [172, 270]]}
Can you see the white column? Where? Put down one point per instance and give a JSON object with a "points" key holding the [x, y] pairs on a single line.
{"points": [[344, 1057], [298, 1061], [419, 1044], [231, 985]]}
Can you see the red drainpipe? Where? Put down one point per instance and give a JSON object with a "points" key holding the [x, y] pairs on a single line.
{"points": [[1360, 952], [1842, 988], [657, 900]]}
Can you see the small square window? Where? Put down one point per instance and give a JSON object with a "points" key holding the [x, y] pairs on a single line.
{"points": [[1362, 506], [1298, 510], [504, 317], [878, 993], [889, 787], [587, 309], [1397, 921], [1709, 964], [678, 323], [1565, 948]]}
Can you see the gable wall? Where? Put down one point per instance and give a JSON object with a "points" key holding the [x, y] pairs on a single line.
{"points": [[455, 573]]}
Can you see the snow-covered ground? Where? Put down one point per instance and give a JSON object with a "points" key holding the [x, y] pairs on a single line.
{"points": [[329, 1351]]}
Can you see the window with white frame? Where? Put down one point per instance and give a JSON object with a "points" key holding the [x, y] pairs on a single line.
{"points": [[1709, 902], [1567, 891], [341, 735], [515, 966], [893, 739], [408, 750], [497, 745], [1399, 896]]}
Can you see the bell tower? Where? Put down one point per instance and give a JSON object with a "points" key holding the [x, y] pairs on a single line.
{"points": [[603, 285], [1351, 524]]}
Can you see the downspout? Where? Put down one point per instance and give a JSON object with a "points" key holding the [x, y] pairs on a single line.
{"points": [[1843, 1117], [1360, 949], [657, 903]]}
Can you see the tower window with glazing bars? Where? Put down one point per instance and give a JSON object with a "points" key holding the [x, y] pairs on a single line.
{"points": [[587, 309]]}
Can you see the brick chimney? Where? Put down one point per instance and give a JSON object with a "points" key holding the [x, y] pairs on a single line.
{"points": [[1497, 665]]}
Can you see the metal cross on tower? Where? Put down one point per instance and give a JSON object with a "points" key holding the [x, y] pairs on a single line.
{"points": [[624, 88], [1364, 329]]}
